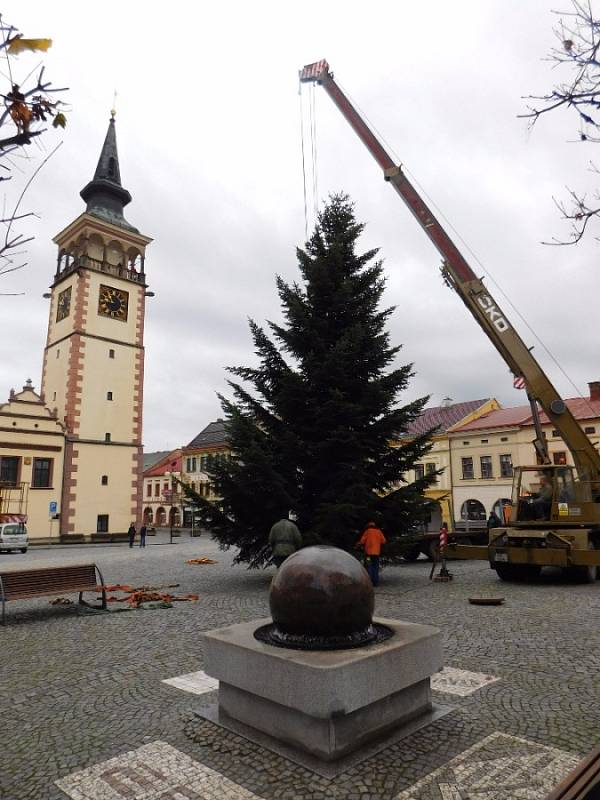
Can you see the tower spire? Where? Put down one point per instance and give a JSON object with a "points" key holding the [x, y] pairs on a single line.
{"points": [[104, 194]]}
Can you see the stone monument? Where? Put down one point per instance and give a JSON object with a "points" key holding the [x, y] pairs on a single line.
{"points": [[323, 676]]}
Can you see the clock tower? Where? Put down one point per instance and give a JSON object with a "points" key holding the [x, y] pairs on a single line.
{"points": [[93, 371]]}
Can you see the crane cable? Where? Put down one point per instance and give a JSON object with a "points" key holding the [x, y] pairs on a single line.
{"points": [[470, 250], [314, 178], [303, 161], [313, 134]]}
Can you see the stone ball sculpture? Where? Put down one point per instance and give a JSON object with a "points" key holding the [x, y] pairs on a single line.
{"points": [[322, 599], [321, 591]]}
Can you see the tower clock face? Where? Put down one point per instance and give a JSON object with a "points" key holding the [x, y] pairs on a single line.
{"points": [[63, 305], [113, 302]]}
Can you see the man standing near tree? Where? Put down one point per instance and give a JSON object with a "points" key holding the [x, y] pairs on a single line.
{"points": [[284, 539], [372, 539]]}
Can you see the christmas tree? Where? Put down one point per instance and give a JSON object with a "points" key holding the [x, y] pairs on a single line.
{"points": [[316, 427]]}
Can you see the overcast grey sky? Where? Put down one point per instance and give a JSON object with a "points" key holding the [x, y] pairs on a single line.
{"points": [[208, 129]]}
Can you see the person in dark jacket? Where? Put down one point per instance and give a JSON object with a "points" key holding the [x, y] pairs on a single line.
{"points": [[131, 534], [493, 521], [284, 539], [143, 536]]}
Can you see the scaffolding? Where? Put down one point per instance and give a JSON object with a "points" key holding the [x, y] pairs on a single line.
{"points": [[13, 501]]}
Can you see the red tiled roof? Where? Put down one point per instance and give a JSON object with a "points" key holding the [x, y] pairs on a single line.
{"points": [[172, 463], [581, 408], [440, 418], [499, 418]]}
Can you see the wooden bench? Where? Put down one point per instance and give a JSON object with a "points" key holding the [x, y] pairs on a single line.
{"points": [[582, 783], [26, 583]]}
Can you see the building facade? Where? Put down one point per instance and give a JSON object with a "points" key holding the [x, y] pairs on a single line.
{"points": [[441, 419], [484, 451], [32, 448], [162, 492], [208, 447]]}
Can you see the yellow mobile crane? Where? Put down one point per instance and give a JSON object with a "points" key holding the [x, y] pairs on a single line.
{"points": [[561, 525]]}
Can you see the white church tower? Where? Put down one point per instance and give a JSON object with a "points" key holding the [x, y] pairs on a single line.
{"points": [[94, 357]]}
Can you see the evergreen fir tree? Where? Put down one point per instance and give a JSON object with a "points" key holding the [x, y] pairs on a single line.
{"points": [[316, 427]]}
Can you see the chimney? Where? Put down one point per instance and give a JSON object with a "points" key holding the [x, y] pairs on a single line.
{"points": [[594, 390]]}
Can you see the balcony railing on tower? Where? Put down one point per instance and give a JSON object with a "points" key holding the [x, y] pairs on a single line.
{"points": [[73, 263]]}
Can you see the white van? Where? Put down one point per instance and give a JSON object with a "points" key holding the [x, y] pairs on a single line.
{"points": [[13, 536]]}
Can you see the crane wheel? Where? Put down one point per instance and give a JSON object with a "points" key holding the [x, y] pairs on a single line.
{"points": [[412, 554], [517, 572]]}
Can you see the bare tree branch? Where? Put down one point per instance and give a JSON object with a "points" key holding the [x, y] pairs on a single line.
{"points": [[27, 104], [578, 37]]}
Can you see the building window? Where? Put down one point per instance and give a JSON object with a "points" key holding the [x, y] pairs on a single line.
{"points": [[107, 437], [111, 353], [504, 438], [589, 429], [41, 475], [156, 489], [559, 458], [191, 464], [9, 470], [466, 442], [419, 472], [506, 467], [554, 433], [104, 480], [109, 395], [430, 470], [484, 441], [467, 469], [102, 523], [58, 352], [148, 490], [486, 467], [54, 396]]}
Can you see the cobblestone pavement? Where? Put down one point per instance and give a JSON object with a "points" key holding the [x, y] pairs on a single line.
{"points": [[80, 689]]}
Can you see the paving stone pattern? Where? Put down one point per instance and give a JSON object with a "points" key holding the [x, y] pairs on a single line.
{"points": [[78, 688], [194, 682], [497, 768], [154, 771], [461, 682]]}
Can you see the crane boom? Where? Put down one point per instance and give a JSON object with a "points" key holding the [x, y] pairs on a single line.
{"points": [[471, 289]]}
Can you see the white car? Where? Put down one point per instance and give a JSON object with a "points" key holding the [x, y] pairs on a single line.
{"points": [[13, 536]]}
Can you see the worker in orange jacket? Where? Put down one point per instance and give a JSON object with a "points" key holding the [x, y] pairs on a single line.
{"points": [[371, 540]]}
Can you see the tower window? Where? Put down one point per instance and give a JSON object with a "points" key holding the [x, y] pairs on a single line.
{"points": [[54, 396], [58, 352], [107, 437], [109, 395], [104, 480], [111, 168], [111, 353]]}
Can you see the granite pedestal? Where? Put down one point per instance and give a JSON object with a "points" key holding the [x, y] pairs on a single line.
{"points": [[326, 703]]}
